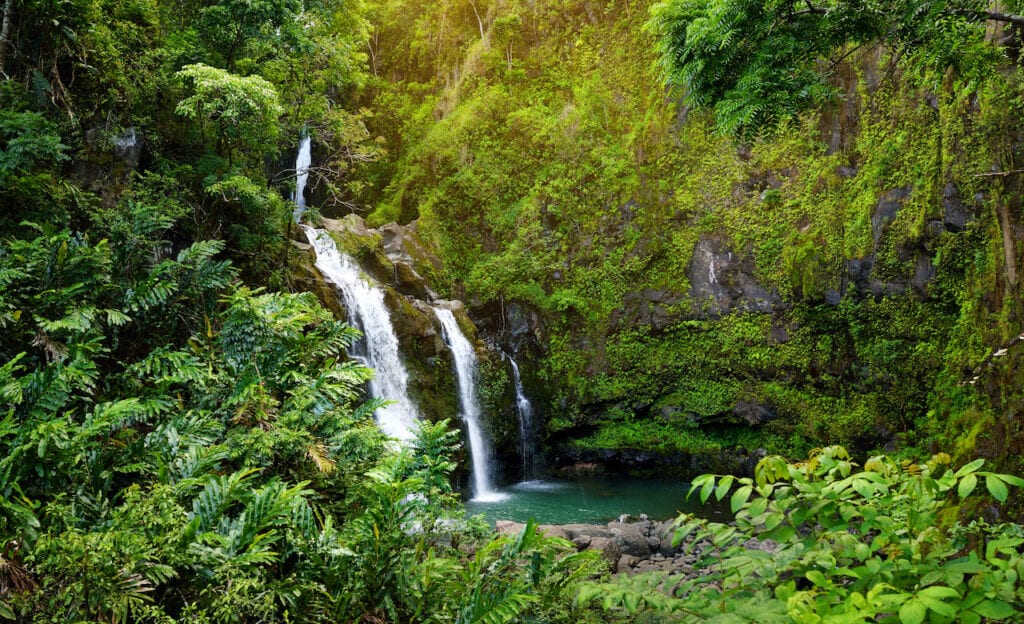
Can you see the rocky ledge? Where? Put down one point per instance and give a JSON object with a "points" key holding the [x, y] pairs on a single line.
{"points": [[632, 546]]}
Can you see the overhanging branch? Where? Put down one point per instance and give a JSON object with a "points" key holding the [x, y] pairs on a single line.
{"points": [[990, 16]]}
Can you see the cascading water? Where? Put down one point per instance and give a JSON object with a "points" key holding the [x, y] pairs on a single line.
{"points": [[465, 370], [527, 443], [379, 346], [302, 161]]}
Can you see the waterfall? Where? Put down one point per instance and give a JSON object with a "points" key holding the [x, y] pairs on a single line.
{"points": [[526, 432], [465, 371], [379, 346], [302, 162]]}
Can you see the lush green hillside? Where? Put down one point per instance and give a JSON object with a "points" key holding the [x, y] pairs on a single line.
{"points": [[864, 275]]}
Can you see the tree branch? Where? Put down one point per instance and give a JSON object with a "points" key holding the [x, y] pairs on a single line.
{"points": [[991, 16], [999, 174]]}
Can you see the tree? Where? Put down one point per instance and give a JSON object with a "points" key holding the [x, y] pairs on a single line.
{"points": [[230, 26], [243, 111], [758, 62]]}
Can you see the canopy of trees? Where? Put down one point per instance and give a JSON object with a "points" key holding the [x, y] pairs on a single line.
{"points": [[758, 62]]}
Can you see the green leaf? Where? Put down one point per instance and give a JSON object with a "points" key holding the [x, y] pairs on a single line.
{"points": [[913, 612], [969, 617], [938, 606], [781, 533], [631, 601], [933, 596], [997, 488], [817, 578], [993, 609], [723, 487], [740, 497], [969, 468], [861, 551], [965, 565], [939, 591], [757, 507], [773, 520], [5, 611], [1012, 479], [705, 491], [967, 485]]}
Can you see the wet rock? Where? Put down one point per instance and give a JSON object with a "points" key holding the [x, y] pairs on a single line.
{"points": [[888, 207], [722, 280], [128, 146], [858, 270], [629, 539], [554, 530], [593, 530], [305, 276], [363, 245], [508, 527], [624, 565], [924, 272], [415, 265], [608, 548], [655, 308], [665, 532], [754, 413], [956, 215], [685, 466]]}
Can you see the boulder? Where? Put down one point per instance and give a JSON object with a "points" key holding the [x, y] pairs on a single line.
{"points": [[415, 265], [363, 245], [554, 530], [754, 413], [581, 542], [608, 548], [128, 146], [508, 527], [630, 539], [591, 530]]}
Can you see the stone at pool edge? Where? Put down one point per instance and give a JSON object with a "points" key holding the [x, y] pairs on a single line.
{"points": [[633, 539], [620, 544]]}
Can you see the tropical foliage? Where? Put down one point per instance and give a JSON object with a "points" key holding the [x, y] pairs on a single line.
{"points": [[758, 63], [183, 436], [837, 542]]}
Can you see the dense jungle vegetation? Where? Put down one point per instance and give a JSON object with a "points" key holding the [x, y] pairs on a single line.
{"points": [[856, 200], [183, 438]]}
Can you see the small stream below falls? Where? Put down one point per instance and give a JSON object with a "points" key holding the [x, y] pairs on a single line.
{"points": [[595, 500]]}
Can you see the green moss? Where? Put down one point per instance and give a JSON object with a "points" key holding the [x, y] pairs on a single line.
{"points": [[555, 172]]}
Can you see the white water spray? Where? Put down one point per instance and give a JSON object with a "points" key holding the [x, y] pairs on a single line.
{"points": [[466, 370], [302, 161], [379, 345], [526, 432]]}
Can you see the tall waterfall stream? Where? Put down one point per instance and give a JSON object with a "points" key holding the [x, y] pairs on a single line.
{"points": [[527, 434], [302, 163], [466, 374], [379, 345]]}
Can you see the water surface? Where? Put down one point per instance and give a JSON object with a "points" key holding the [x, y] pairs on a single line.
{"points": [[594, 500]]}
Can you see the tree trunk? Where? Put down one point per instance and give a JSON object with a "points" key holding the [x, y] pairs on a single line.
{"points": [[479, 20], [5, 33]]}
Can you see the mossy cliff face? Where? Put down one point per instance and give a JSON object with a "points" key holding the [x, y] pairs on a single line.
{"points": [[839, 283]]}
